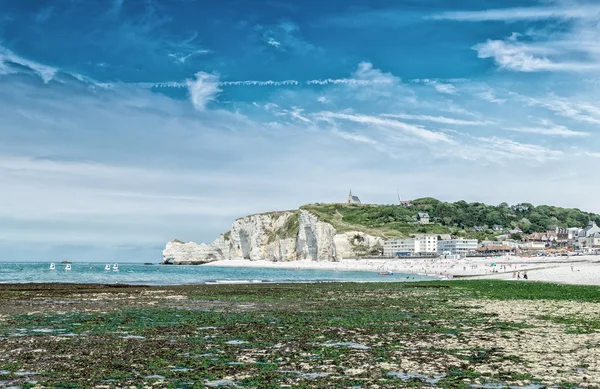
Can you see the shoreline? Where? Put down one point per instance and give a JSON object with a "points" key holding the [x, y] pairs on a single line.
{"points": [[580, 270]]}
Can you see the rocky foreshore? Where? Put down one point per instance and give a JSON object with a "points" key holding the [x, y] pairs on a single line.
{"points": [[277, 236]]}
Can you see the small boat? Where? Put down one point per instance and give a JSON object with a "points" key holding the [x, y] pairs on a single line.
{"points": [[68, 267], [116, 267], [65, 262], [107, 267], [386, 273], [52, 266]]}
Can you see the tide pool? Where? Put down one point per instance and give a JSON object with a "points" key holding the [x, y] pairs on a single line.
{"points": [[140, 274]]}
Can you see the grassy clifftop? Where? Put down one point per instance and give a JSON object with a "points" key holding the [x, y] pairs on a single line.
{"points": [[386, 221], [457, 218]]}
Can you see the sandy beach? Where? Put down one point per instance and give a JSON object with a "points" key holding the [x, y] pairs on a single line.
{"points": [[583, 270]]}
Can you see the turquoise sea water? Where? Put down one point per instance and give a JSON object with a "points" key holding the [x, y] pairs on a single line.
{"points": [[140, 274]]}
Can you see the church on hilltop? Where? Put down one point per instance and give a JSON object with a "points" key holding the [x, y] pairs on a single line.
{"points": [[353, 199]]}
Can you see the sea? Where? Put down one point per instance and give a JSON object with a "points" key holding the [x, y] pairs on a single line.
{"points": [[154, 274]]}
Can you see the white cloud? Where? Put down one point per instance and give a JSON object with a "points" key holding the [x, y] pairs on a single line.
{"points": [[511, 56], [365, 74], [203, 89], [521, 13], [322, 99], [366, 71], [446, 88], [273, 42], [260, 83], [440, 119], [8, 58]]}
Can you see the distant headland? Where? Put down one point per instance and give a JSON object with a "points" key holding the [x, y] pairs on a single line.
{"points": [[424, 227]]}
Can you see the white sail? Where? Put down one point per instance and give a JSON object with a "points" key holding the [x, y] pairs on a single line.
{"points": [[107, 267], [52, 266], [116, 267], [68, 267]]}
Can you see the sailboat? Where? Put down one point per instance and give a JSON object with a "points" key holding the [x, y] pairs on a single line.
{"points": [[52, 266], [68, 267], [107, 267], [116, 267]]}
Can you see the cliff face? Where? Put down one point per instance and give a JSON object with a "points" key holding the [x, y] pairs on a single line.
{"points": [[277, 236]]}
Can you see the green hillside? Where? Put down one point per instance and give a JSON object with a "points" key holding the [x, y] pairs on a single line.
{"points": [[457, 218]]}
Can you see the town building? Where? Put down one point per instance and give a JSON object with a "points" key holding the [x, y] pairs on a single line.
{"points": [[506, 242], [573, 236], [495, 250], [423, 218], [353, 199], [532, 245], [586, 239], [592, 243], [548, 239], [460, 247], [409, 247]]}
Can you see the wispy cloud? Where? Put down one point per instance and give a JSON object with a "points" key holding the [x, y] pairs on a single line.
{"points": [[181, 58], [489, 95], [355, 137], [365, 74], [8, 60], [115, 8], [441, 87], [519, 57], [410, 129], [570, 108], [520, 13], [440, 119], [285, 36], [44, 14], [203, 89], [510, 149], [555, 130]]}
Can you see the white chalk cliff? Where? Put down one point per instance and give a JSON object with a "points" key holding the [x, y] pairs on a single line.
{"points": [[276, 236]]}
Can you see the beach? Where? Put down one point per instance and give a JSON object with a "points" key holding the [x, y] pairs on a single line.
{"points": [[585, 270]]}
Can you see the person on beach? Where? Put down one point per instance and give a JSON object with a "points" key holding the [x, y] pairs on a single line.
{"points": [[518, 275], [524, 275]]}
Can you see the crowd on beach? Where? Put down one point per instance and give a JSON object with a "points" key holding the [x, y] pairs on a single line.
{"points": [[582, 270]]}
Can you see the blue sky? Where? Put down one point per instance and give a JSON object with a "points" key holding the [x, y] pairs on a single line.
{"points": [[127, 123]]}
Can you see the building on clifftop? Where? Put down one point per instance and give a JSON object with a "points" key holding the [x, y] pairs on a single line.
{"points": [[353, 199], [423, 218]]}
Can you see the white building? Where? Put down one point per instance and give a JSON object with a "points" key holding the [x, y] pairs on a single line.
{"points": [[408, 247], [457, 246], [532, 245]]}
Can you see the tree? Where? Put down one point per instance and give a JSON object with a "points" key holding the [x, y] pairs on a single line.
{"points": [[517, 237]]}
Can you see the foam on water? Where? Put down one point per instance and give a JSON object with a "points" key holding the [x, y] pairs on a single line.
{"points": [[140, 274]]}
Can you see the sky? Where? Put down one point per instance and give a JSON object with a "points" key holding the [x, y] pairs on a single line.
{"points": [[127, 123]]}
